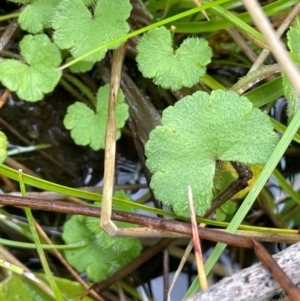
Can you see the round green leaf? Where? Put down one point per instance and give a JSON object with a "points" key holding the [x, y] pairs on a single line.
{"points": [[81, 30], [88, 127], [36, 16], [103, 255], [39, 75], [171, 68], [195, 133]]}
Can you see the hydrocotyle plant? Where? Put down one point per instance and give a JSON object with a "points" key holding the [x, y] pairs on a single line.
{"points": [[38, 73], [104, 22], [102, 255], [169, 68], [196, 133], [88, 127]]}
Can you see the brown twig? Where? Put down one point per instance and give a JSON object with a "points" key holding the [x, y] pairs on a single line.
{"points": [[140, 219], [8, 33], [166, 272], [239, 184], [275, 270], [4, 97], [277, 48], [283, 27]]}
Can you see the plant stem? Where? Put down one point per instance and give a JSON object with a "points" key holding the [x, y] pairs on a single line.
{"points": [[9, 16]]}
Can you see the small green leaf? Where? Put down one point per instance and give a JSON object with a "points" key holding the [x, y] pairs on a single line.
{"points": [[3, 147], [39, 74], [229, 207], [220, 215], [103, 255], [196, 132], [171, 68], [36, 15], [226, 211], [80, 30], [293, 99], [88, 127]]}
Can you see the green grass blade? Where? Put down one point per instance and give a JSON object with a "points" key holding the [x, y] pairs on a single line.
{"points": [[26, 245], [234, 20], [215, 25], [285, 186], [45, 185], [281, 128], [39, 248], [211, 82], [266, 93]]}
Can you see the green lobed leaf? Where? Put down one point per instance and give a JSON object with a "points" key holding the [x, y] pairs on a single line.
{"points": [[196, 132], [80, 30], [88, 127], [38, 74], [36, 15], [171, 68], [293, 99], [103, 255], [106, 241]]}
